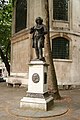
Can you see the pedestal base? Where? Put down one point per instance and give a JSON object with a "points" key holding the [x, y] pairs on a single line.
{"points": [[37, 103], [37, 95]]}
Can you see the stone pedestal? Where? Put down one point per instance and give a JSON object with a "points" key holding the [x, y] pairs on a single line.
{"points": [[37, 95]]}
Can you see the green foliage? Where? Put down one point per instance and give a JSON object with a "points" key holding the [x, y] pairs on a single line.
{"points": [[5, 26]]}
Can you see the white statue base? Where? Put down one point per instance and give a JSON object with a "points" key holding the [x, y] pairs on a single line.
{"points": [[37, 95]]}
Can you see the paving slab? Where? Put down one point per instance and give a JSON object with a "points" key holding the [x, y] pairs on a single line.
{"points": [[65, 109], [57, 110]]}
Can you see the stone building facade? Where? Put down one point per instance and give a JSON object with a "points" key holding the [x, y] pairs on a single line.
{"points": [[64, 38]]}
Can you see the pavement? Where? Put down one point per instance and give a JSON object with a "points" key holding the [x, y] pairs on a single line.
{"points": [[66, 109]]}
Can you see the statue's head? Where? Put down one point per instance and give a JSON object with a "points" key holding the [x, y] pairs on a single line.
{"points": [[39, 20]]}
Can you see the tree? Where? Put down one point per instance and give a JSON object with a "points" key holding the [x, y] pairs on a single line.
{"points": [[5, 31], [52, 79]]}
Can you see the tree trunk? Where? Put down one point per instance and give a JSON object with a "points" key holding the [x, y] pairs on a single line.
{"points": [[5, 60], [52, 80]]}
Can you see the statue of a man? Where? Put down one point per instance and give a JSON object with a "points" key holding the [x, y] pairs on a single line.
{"points": [[38, 31]]}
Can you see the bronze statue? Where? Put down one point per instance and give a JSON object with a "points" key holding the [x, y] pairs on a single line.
{"points": [[38, 31]]}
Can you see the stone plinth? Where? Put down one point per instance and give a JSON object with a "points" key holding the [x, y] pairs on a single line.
{"points": [[37, 95]]}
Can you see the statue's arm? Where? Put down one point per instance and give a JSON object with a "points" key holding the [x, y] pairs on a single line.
{"points": [[45, 30], [31, 30]]}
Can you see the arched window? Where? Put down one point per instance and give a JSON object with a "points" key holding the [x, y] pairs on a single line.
{"points": [[60, 10], [60, 48], [21, 15]]}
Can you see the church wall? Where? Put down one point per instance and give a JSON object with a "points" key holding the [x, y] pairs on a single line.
{"points": [[67, 70], [20, 55], [75, 15]]}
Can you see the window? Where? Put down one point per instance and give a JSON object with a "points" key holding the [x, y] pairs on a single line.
{"points": [[21, 15], [60, 10], [60, 48]]}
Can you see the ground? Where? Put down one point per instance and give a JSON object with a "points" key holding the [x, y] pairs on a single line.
{"points": [[10, 98]]}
